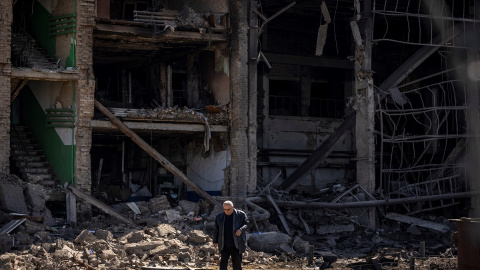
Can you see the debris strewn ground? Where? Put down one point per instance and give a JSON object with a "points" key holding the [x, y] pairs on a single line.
{"points": [[181, 237]]}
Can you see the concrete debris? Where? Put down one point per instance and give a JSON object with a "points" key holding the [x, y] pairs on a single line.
{"points": [[419, 222], [11, 195], [169, 114], [268, 241], [334, 228], [176, 237], [189, 18]]}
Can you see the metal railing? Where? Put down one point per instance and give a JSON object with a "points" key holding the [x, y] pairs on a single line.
{"points": [[20, 151], [308, 107], [22, 46]]}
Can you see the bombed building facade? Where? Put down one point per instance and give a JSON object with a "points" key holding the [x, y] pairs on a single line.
{"points": [[200, 98]]}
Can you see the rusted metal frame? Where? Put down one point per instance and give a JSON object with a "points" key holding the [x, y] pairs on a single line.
{"points": [[415, 60], [394, 79], [425, 149], [433, 182], [458, 150], [349, 191], [157, 156], [392, 126]]}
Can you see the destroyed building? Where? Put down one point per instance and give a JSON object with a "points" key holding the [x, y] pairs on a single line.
{"points": [[127, 100]]}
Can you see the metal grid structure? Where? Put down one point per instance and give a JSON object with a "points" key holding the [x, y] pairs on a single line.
{"points": [[417, 22], [422, 143]]}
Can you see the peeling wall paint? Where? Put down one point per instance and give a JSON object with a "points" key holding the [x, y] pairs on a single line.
{"points": [[47, 94], [206, 171]]}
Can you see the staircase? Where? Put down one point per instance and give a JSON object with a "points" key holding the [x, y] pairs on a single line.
{"points": [[27, 53], [28, 158]]}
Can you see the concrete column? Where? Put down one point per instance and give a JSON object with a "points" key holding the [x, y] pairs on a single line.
{"points": [[473, 129], [473, 116], [252, 97], [84, 100], [5, 70], [365, 119], [239, 145]]}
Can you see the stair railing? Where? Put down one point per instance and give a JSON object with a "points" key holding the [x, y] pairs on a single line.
{"points": [[19, 146], [26, 44]]}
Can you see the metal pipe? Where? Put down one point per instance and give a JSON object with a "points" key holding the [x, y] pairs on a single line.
{"points": [[295, 204]]}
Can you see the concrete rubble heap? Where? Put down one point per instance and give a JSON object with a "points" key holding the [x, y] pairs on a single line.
{"points": [[165, 236]]}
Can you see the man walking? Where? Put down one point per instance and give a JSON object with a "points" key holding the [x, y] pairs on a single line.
{"points": [[229, 235]]}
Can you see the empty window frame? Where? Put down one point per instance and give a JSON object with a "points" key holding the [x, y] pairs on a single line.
{"points": [[285, 98]]}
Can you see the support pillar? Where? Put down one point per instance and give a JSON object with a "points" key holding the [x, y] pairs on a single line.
{"points": [[365, 118], [473, 119], [252, 97], [239, 97], [84, 101]]}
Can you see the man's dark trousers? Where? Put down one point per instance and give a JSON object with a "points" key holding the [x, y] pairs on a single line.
{"points": [[236, 258]]}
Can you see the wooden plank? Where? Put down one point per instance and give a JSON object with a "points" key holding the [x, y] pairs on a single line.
{"points": [[18, 88], [157, 156], [280, 214], [107, 209]]}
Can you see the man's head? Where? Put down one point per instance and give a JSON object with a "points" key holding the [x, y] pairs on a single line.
{"points": [[228, 207]]}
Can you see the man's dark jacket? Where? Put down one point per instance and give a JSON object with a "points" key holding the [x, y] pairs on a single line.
{"points": [[240, 221]]}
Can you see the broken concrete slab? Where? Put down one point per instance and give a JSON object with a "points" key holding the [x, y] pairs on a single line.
{"points": [[104, 235], [188, 207], [418, 222], [268, 241], [197, 237], [11, 195], [158, 203], [35, 197], [85, 237], [334, 228]]}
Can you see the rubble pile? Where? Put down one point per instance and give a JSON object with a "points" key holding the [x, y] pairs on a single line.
{"points": [[181, 236], [17, 196]]}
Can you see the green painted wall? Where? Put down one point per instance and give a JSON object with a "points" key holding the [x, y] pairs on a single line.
{"points": [[37, 26], [58, 155], [70, 61]]}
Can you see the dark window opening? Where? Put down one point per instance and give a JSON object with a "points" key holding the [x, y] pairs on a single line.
{"points": [[179, 89], [129, 7], [322, 104], [285, 98]]}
